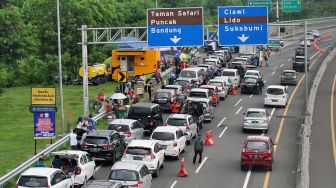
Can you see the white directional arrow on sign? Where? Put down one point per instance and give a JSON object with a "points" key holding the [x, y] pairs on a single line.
{"points": [[175, 39], [243, 38]]}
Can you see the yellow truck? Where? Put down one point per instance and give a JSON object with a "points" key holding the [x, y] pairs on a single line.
{"points": [[134, 62], [97, 73]]}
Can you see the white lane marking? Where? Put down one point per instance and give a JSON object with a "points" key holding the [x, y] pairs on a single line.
{"points": [[98, 167], [173, 185], [219, 124], [238, 102], [313, 56], [239, 110], [222, 132], [272, 112], [273, 72], [281, 65], [250, 95], [275, 67], [289, 59], [247, 178], [200, 166]]}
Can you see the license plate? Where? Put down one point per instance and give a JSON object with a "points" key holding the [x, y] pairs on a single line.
{"points": [[137, 158], [94, 149], [274, 100], [255, 121], [256, 156]]}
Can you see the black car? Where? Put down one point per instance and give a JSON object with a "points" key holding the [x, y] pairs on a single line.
{"points": [[288, 77], [251, 84], [105, 145], [299, 64], [148, 114]]}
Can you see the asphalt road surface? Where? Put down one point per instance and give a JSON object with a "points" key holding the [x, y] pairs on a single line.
{"points": [[221, 163], [323, 158]]}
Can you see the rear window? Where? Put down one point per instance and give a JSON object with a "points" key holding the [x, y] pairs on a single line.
{"points": [[255, 114], [188, 74], [252, 73], [139, 111], [218, 84], [138, 151], [163, 136], [198, 94], [124, 175], [209, 62], [275, 91], [228, 73], [299, 60], [250, 80], [95, 140], [118, 128], [257, 145], [33, 181], [288, 73], [176, 122], [162, 95]]}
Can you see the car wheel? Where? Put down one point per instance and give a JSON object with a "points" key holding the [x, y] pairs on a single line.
{"points": [[94, 174], [156, 173], [243, 130], [162, 165], [188, 142], [178, 155], [270, 168], [266, 131], [242, 167]]}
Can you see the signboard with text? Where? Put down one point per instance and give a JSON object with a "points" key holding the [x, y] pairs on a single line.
{"points": [[291, 5], [44, 125], [43, 96], [261, 3], [172, 27], [243, 25]]}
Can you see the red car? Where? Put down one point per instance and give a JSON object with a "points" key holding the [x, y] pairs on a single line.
{"points": [[214, 96], [257, 151]]}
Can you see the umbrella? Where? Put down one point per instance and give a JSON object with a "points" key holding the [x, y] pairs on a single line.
{"points": [[118, 96], [182, 56]]}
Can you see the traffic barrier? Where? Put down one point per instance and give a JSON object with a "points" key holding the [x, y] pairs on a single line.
{"points": [[183, 171], [234, 90], [209, 139]]}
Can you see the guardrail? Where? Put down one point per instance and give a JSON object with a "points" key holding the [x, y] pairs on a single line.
{"points": [[302, 180]]}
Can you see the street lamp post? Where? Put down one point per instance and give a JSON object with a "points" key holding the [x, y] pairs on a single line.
{"points": [[60, 68], [306, 68]]}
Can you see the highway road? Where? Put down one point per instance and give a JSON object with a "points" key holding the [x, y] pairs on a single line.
{"points": [[323, 148], [221, 164]]}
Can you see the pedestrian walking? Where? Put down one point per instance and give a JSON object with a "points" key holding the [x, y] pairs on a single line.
{"points": [[149, 90], [198, 149], [91, 123], [158, 77], [266, 60], [73, 140]]}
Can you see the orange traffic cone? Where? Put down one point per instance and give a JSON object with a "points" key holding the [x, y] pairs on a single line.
{"points": [[209, 139], [234, 90], [183, 172]]}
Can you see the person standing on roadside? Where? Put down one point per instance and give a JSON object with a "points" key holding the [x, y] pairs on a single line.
{"points": [[91, 123], [73, 140], [198, 149], [40, 163], [149, 90]]}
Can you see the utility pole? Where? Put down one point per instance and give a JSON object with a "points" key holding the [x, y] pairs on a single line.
{"points": [[85, 72], [306, 68], [277, 18], [156, 3], [60, 67]]}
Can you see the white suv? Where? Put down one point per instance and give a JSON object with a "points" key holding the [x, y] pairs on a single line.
{"points": [[148, 152], [233, 75], [44, 177], [172, 139], [130, 174], [276, 95], [185, 122], [81, 161]]}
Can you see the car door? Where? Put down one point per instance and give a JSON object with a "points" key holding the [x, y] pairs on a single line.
{"points": [[59, 180], [85, 168], [192, 126], [181, 140], [159, 152], [91, 165], [147, 177]]}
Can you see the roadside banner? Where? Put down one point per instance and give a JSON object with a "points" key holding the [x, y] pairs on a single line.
{"points": [[44, 125]]}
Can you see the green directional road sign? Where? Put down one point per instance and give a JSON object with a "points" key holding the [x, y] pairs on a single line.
{"points": [[291, 5], [261, 3]]}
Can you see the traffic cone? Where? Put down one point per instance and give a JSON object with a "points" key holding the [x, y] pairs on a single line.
{"points": [[209, 139], [183, 172], [234, 90]]}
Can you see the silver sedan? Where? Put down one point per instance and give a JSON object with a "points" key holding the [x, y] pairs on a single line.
{"points": [[256, 119]]}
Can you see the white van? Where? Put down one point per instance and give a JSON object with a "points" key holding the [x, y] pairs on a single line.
{"points": [[276, 96], [233, 75], [192, 74]]}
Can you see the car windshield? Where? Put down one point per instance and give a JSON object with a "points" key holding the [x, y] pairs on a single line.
{"points": [[218, 84], [139, 111], [255, 114], [257, 145], [33, 181], [252, 73], [124, 175], [160, 95], [288, 73], [138, 151], [95, 140], [163, 136], [118, 127], [170, 87], [250, 80], [197, 94], [181, 82], [299, 60], [176, 122], [188, 74], [275, 91], [228, 73]]}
